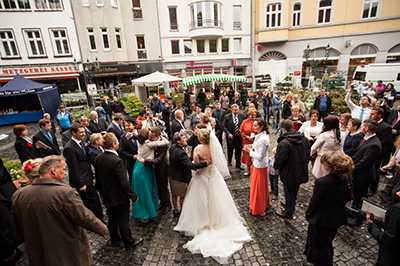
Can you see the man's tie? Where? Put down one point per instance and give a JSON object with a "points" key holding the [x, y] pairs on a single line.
{"points": [[82, 147], [362, 142], [396, 120], [236, 122], [361, 114], [49, 136]]}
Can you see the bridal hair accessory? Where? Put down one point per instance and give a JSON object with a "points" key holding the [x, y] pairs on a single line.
{"points": [[29, 167]]}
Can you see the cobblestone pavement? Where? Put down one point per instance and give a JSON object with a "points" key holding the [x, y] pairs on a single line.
{"points": [[276, 241]]}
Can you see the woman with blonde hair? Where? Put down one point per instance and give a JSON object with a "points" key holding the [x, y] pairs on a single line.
{"points": [[326, 210], [246, 130], [30, 169], [95, 148]]}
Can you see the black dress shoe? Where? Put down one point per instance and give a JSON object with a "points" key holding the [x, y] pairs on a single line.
{"points": [[166, 210], [176, 214], [134, 243], [239, 167]]}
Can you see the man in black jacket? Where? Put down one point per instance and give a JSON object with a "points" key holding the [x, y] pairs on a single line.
{"points": [[177, 124], [117, 192], [128, 148], [48, 138], [80, 170], [117, 106], [180, 169], [231, 127], [165, 114], [116, 125], [323, 104], [365, 159], [96, 124], [291, 160], [107, 106]]}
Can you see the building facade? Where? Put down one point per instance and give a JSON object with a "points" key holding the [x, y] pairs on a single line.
{"points": [[39, 41], [205, 37], [119, 40], [358, 32]]}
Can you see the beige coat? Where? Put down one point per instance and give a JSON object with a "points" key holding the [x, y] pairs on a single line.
{"points": [[52, 219]]}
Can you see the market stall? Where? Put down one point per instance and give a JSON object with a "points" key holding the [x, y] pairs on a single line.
{"points": [[23, 100]]}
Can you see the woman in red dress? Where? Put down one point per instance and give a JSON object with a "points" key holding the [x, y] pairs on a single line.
{"points": [[247, 132]]}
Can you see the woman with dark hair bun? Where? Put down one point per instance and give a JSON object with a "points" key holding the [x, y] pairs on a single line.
{"points": [[330, 139], [354, 137], [326, 210]]}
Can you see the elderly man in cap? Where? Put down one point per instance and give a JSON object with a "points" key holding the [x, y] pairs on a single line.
{"points": [[128, 147]]}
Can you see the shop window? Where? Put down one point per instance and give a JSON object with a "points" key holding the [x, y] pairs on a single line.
{"points": [[173, 20], [60, 42], [92, 41], [34, 43], [225, 45], [237, 17], [104, 34], [137, 9], [118, 38], [273, 15], [296, 15], [14, 5], [324, 11], [141, 48], [213, 45], [370, 9], [175, 47], [48, 4], [8, 47], [200, 47]]}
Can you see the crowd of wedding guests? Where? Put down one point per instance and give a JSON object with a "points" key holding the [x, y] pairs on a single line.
{"points": [[122, 159]]}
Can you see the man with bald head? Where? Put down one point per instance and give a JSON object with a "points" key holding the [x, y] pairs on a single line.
{"points": [[96, 124], [177, 124]]}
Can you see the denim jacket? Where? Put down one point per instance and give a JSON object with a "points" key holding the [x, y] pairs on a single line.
{"points": [[276, 102]]}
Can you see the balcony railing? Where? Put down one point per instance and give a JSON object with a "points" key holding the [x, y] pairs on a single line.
{"points": [[142, 54], [206, 23], [237, 25]]}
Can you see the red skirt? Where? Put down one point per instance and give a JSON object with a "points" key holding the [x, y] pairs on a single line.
{"points": [[259, 192]]}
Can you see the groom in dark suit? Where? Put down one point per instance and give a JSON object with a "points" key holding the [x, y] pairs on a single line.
{"points": [[46, 136], [231, 127], [96, 124], [365, 159], [128, 148], [117, 192], [116, 125], [80, 170]]}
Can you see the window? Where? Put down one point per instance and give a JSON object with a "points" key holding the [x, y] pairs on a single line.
{"points": [[175, 47], [92, 41], [85, 3], [141, 48], [8, 47], [370, 8], [324, 11], [48, 4], [118, 38], [60, 42], [205, 14], [237, 13], [296, 15], [100, 2], [114, 3], [273, 15], [34, 43], [225, 45], [187, 44], [213, 46], [106, 44], [137, 10], [14, 4], [200, 46], [173, 20], [237, 45]]}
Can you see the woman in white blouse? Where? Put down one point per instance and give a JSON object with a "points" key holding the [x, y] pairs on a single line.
{"points": [[330, 139], [311, 130], [259, 192]]}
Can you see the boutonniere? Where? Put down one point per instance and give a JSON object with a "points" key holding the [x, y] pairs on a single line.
{"points": [[29, 144]]}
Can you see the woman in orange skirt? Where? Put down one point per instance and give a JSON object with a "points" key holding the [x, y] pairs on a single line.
{"points": [[259, 192], [247, 132]]}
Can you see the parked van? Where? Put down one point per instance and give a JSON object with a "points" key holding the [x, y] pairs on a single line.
{"points": [[388, 73]]}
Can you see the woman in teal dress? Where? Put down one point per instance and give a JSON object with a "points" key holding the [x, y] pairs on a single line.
{"points": [[144, 178]]}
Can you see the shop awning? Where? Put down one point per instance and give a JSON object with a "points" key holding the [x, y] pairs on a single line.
{"points": [[212, 77]]}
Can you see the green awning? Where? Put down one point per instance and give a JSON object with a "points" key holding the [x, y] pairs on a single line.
{"points": [[212, 77]]}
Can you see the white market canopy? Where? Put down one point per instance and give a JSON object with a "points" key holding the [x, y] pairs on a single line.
{"points": [[154, 79], [212, 77]]}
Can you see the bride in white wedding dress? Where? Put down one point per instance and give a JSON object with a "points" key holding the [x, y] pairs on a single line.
{"points": [[209, 212]]}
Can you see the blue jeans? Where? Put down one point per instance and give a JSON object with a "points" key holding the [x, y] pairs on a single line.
{"points": [[290, 197], [109, 119], [277, 117], [273, 182], [267, 113]]}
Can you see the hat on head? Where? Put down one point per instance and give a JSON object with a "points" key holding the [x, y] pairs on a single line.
{"points": [[131, 120]]}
